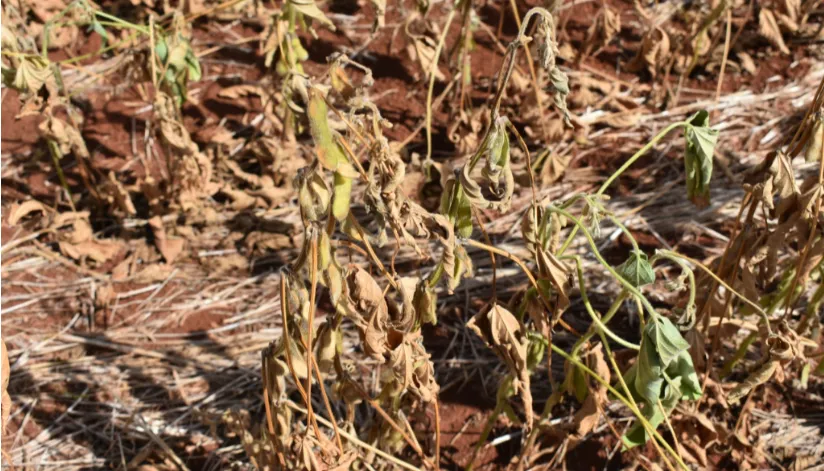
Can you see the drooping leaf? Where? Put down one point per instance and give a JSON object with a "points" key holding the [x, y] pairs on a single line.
{"points": [[502, 332], [310, 9], [769, 29], [32, 74], [815, 145], [649, 376], [682, 368], [700, 145], [661, 344], [637, 434], [637, 269], [667, 340]]}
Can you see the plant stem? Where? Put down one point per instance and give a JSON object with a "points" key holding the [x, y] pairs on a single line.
{"points": [[630, 403], [55, 155], [600, 327], [490, 422], [432, 73], [613, 309], [284, 310], [729, 288], [313, 274], [627, 286], [622, 169], [123, 23], [358, 442]]}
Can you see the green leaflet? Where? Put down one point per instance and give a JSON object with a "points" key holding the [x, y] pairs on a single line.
{"points": [[100, 30], [455, 204], [683, 369], [683, 385], [637, 435], [342, 197], [701, 140], [667, 340], [664, 371], [535, 350], [649, 376], [661, 345], [637, 270], [182, 66]]}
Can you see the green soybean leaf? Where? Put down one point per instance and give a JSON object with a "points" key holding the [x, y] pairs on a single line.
{"points": [[701, 140], [637, 270], [683, 370], [455, 204], [193, 66], [161, 49], [667, 340], [629, 379], [100, 30], [463, 220], [343, 194], [637, 434], [661, 345], [649, 377]]}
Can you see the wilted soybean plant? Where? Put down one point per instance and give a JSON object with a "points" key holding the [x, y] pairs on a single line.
{"points": [[388, 310]]}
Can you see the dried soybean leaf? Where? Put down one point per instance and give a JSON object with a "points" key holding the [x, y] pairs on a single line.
{"points": [[769, 29], [554, 168], [502, 332], [815, 144], [758, 377], [310, 9], [32, 74], [655, 50], [169, 248], [20, 210], [313, 193]]}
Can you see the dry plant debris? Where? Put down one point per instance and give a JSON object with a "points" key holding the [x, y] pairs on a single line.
{"points": [[412, 235]]}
